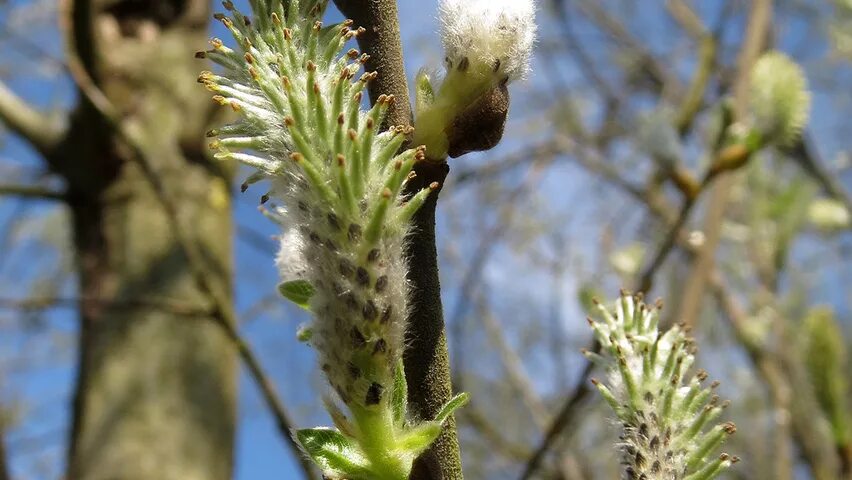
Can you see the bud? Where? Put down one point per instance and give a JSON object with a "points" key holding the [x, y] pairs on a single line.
{"points": [[487, 45], [825, 357], [488, 38], [779, 100], [828, 215]]}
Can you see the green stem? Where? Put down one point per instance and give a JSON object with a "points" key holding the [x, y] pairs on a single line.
{"points": [[377, 438]]}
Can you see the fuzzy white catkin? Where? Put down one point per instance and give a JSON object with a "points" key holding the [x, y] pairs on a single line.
{"points": [[290, 259], [345, 214], [498, 34]]}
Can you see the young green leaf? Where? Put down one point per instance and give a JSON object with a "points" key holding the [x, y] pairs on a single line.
{"points": [[418, 439], [336, 455], [298, 292], [454, 404], [425, 94], [399, 401]]}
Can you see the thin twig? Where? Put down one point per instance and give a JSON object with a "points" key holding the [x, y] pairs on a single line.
{"points": [[42, 131], [759, 23], [31, 191], [161, 304], [780, 377], [5, 473], [565, 418]]}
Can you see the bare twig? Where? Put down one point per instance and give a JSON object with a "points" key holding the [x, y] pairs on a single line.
{"points": [[30, 191], [563, 419], [656, 70], [516, 374], [760, 19], [473, 274], [42, 131], [163, 304], [687, 18], [5, 474], [474, 418], [804, 153]]}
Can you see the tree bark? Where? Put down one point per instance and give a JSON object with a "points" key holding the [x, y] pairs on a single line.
{"points": [[156, 387]]}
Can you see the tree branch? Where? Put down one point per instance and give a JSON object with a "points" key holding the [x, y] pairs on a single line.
{"points": [[30, 191], [760, 20], [565, 418], [42, 131], [5, 474]]}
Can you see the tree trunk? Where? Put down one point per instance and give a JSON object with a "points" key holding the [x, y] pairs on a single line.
{"points": [[156, 388]]}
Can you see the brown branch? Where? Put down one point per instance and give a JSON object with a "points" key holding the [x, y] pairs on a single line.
{"points": [[564, 419], [31, 191], [42, 131], [651, 65], [687, 18], [162, 304], [471, 415], [783, 377], [757, 30], [516, 374], [5, 473], [805, 155]]}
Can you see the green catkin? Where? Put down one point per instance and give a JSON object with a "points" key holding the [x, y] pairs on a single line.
{"points": [[343, 212], [662, 418]]}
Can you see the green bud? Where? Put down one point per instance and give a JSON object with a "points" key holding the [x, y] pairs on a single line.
{"points": [[779, 100]]}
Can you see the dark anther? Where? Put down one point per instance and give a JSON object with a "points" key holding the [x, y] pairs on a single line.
{"points": [[354, 232], [333, 221], [464, 64], [358, 339], [351, 302], [354, 371], [370, 311], [639, 459], [374, 394], [362, 276], [655, 443], [386, 315], [381, 283], [346, 267], [373, 255], [381, 346]]}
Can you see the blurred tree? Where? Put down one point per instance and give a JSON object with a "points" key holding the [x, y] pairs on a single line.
{"points": [[155, 394]]}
